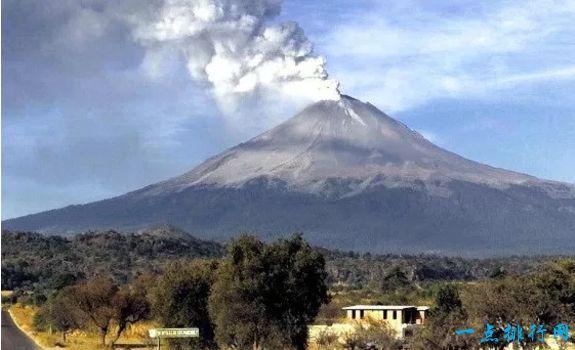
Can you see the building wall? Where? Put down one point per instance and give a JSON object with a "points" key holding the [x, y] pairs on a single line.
{"points": [[395, 324], [380, 315], [420, 319], [410, 315]]}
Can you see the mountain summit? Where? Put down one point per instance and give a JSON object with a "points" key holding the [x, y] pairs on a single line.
{"points": [[345, 140], [351, 177]]}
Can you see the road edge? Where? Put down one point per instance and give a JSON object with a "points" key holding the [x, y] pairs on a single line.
{"points": [[23, 331]]}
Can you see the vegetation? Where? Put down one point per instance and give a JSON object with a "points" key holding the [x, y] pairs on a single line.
{"points": [[180, 298], [256, 295], [264, 296], [356, 271], [447, 316], [371, 335], [130, 306], [58, 315], [326, 340], [96, 302], [545, 297], [32, 262], [85, 338]]}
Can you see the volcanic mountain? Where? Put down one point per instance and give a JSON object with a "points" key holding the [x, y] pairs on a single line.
{"points": [[350, 177]]}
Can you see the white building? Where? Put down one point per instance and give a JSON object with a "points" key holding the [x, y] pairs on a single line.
{"points": [[399, 318]]}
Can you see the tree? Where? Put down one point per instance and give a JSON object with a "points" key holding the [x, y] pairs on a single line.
{"points": [[446, 317], [553, 292], [298, 289], [448, 302], [265, 296], [94, 299], [57, 314], [180, 298], [237, 302], [395, 279], [98, 301], [129, 306], [498, 273]]}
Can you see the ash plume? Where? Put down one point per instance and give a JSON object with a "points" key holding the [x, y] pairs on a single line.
{"points": [[233, 46]]}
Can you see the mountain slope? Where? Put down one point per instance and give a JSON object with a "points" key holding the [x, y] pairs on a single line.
{"points": [[346, 139], [351, 177]]}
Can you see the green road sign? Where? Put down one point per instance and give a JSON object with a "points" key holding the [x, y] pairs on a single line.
{"points": [[174, 332]]}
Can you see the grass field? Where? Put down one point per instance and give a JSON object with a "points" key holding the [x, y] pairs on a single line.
{"points": [[77, 340]]}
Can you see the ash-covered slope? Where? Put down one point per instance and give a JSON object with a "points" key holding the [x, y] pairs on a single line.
{"points": [[350, 177], [345, 140]]}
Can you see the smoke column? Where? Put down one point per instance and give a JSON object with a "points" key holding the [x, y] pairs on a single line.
{"points": [[233, 46]]}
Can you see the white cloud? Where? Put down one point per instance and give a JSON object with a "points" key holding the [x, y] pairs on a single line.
{"points": [[403, 56], [567, 73], [235, 48]]}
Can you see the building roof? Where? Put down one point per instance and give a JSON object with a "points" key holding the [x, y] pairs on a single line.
{"points": [[384, 307]]}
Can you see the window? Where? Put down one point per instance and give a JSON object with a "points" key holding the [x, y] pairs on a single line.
{"points": [[385, 314], [353, 314], [394, 315], [361, 314]]}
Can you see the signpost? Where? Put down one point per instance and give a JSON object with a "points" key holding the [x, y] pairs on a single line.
{"points": [[173, 333]]}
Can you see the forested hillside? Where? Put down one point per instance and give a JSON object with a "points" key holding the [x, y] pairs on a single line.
{"points": [[34, 261], [29, 259]]}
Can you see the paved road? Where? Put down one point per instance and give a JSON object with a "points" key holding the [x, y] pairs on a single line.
{"points": [[12, 337]]}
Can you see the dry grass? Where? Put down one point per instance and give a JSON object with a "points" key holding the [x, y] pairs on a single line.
{"points": [[7, 293], [77, 340]]}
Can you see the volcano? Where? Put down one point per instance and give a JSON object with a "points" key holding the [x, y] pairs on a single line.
{"points": [[349, 177]]}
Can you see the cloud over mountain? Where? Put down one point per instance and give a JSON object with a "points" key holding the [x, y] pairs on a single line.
{"points": [[234, 46]]}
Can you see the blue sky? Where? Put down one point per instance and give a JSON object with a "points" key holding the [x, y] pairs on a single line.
{"points": [[82, 120]]}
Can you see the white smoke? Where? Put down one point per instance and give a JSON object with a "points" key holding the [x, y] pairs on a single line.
{"points": [[231, 45]]}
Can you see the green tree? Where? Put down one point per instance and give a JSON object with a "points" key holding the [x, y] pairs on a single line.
{"points": [[237, 303], [448, 303], [265, 296], [297, 278], [553, 292], [446, 317], [57, 314], [395, 279], [498, 273], [180, 298]]}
